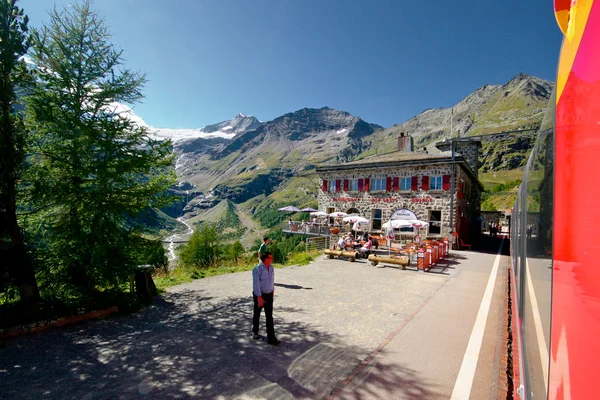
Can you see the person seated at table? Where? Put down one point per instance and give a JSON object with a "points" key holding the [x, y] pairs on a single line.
{"points": [[348, 242], [365, 250], [367, 236], [341, 243]]}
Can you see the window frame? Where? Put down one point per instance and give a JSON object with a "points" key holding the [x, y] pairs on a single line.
{"points": [[331, 187], [374, 183], [439, 228], [376, 221], [436, 182], [408, 181]]}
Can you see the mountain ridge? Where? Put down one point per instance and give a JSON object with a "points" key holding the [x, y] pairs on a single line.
{"points": [[263, 158]]}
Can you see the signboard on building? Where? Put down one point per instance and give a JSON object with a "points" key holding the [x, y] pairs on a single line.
{"points": [[404, 213]]}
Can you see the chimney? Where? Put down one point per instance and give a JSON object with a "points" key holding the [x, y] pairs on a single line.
{"points": [[405, 142]]}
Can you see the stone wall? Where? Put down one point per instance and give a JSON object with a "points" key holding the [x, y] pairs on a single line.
{"points": [[470, 152], [467, 148], [419, 201]]}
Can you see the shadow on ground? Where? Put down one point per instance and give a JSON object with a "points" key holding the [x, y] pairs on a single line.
{"points": [[491, 245], [388, 380], [184, 346]]}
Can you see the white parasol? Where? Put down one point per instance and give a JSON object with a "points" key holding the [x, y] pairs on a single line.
{"points": [[397, 223], [338, 214], [355, 218], [418, 224]]}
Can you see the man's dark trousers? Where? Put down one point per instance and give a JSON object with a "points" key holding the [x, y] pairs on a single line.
{"points": [[268, 298]]}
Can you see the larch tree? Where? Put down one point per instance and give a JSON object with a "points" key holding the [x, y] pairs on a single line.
{"points": [[16, 268], [93, 169]]}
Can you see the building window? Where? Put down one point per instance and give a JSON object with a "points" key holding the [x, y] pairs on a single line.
{"points": [[435, 183], [377, 184], [435, 222], [353, 185], [376, 215], [332, 185], [405, 184]]}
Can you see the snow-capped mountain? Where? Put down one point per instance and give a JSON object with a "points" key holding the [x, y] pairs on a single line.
{"points": [[241, 123], [226, 129]]}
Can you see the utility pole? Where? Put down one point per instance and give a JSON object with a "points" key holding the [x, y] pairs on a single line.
{"points": [[452, 188], [451, 122], [453, 147]]}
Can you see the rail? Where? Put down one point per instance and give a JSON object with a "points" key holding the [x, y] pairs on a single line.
{"points": [[317, 243]]}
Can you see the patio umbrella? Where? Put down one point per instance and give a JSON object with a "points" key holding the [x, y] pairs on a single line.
{"points": [[355, 218], [418, 224], [289, 208], [397, 223], [308, 209], [338, 214], [319, 214]]}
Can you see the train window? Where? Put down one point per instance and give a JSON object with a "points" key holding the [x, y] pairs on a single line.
{"points": [[532, 253]]}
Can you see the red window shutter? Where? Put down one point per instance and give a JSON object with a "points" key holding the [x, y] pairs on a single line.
{"points": [[388, 184], [338, 185], [324, 185], [361, 182], [367, 185], [346, 187], [414, 183], [425, 183], [396, 184], [446, 182]]}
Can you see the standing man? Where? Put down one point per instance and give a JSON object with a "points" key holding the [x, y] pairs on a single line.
{"points": [[263, 248], [263, 283]]}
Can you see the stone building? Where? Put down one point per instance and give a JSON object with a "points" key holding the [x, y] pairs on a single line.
{"points": [[413, 184]]}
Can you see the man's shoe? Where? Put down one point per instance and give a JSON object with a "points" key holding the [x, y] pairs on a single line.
{"points": [[256, 336], [275, 343]]}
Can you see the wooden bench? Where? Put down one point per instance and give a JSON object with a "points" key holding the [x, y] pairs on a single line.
{"points": [[402, 261], [340, 253]]}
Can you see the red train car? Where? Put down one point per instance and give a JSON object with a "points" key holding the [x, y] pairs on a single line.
{"points": [[555, 238]]}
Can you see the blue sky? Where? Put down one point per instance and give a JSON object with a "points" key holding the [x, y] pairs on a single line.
{"points": [[382, 60]]}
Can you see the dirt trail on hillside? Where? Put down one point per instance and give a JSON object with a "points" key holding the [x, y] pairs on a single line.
{"points": [[253, 229]]}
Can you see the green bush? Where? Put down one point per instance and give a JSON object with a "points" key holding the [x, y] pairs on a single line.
{"points": [[235, 251], [301, 258], [203, 249]]}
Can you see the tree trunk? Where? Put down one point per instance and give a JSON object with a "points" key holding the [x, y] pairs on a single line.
{"points": [[22, 267]]}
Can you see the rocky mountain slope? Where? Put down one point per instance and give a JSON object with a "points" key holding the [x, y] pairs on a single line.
{"points": [[256, 161], [518, 104]]}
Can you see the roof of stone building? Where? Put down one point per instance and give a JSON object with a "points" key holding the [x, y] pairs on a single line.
{"points": [[401, 158], [396, 157]]}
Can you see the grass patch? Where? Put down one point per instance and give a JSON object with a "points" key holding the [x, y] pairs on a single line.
{"points": [[182, 274], [492, 179], [300, 191], [499, 202], [302, 258]]}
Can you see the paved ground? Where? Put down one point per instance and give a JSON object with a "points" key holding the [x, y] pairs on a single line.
{"points": [[351, 329]]}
